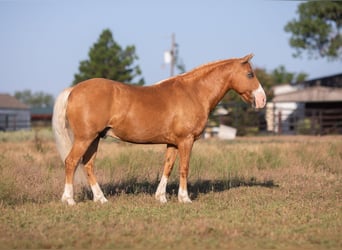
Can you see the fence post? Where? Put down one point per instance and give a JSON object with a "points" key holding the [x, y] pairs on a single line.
{"points": [[274, 118], [320, 122], [279, 123], [15, 122]]}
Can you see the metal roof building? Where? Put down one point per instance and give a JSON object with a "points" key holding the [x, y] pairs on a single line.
{"points": [[14, 115], [313, 107], [312, 94]]}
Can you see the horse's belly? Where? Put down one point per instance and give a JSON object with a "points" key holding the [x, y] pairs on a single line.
{"points": [[141, 135]]}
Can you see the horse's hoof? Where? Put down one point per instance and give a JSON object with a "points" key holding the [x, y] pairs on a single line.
{"points": [[69, 201], [102, 200], [161, 198], [183, 199]]}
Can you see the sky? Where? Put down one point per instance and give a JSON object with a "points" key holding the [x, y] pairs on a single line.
{"points": [[43, 41]]}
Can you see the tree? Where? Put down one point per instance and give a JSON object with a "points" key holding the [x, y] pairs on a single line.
{"points": [[280, 75], [317, 30], [38, 99], [108, 60]]}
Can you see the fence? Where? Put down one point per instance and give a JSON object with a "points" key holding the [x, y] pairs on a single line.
{"points": [[305, 121], [288, 118], [11, 122], [247, 121]]}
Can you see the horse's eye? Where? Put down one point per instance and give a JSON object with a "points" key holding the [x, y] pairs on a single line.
{"points": [[250, 75]]}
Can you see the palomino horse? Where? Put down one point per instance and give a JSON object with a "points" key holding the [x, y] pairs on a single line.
{"points": [[173, 112]]}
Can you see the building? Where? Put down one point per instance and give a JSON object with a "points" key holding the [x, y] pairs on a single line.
{"points": [[311, 107], [14, 115], [41, 116]]}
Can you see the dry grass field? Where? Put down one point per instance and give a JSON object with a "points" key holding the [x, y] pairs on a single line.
{"points": [[250, 193]]}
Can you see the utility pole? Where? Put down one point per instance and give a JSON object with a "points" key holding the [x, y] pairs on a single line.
{"points": [[173, 54], [171, 57]]}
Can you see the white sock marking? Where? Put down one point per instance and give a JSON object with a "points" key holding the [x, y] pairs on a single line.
{"points": [[183, 196], [161, 190], [98, 194], [68, 194]]}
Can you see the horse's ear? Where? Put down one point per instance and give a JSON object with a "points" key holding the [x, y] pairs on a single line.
{"points": [[247, 58]]}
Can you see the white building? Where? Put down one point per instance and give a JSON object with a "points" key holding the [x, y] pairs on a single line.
{"points": [[278, 113]]}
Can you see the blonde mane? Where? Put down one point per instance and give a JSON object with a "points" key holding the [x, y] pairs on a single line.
{"points": [[198, 71]]}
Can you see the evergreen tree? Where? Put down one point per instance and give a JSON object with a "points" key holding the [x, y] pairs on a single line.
{"points": [[108, 60]]}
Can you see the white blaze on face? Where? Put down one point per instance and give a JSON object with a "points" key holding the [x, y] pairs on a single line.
{"points": [[259, 97]]}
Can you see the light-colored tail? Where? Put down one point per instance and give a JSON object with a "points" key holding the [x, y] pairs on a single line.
{"points": [[63, 135]]}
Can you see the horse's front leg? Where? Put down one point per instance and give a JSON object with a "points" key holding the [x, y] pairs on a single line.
{"points": [[170, 157], [184, 149]]}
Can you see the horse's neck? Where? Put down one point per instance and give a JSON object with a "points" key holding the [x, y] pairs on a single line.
{"points": [[213, 84]]}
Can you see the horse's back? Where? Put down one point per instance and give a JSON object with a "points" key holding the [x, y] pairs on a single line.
{"points": [[151, 114]]}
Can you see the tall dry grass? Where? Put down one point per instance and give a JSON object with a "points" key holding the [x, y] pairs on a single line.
{"points": [[252, 193], [31, 170]]}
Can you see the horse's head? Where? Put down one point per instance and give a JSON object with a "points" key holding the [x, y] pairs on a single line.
{"points": [[246, 83]]}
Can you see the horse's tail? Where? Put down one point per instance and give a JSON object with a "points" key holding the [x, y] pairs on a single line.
{"points": [[62, 132]]}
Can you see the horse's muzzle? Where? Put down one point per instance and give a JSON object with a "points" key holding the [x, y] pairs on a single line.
{"points": [[259, 97]]}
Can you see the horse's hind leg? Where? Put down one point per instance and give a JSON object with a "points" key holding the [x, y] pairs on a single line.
{"points": [[170, 157], [88, 161], [77, 151]]}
